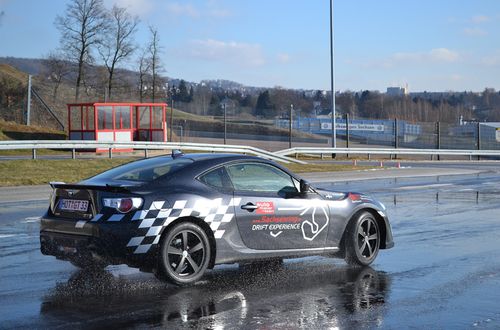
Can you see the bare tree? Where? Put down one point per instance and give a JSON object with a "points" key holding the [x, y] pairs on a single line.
{"points": [[144, 67], [80, 28], [118, 44], [154, 60], [57, 69]]}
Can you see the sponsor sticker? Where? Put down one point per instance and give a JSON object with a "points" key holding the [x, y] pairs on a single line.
{"points": [[265, 208]]}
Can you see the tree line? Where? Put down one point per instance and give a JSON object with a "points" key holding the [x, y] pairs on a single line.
{"points": [[91, 34], [97, 42]]}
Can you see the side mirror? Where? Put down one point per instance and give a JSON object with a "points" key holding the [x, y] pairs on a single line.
{"points": [[304, 186]]}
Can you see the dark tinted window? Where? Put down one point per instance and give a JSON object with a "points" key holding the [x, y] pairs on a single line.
{"points": [[216, 178], [145, 170]]}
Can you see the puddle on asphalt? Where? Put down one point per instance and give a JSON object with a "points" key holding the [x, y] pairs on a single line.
{"points": [[305, 293]]}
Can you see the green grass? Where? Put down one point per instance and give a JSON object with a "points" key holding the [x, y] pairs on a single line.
{"points": [[179, 114], [13, 131], [28, 152], [42, 171]]}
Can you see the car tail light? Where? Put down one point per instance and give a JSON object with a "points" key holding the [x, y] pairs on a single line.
{"points": [[123, 205]]}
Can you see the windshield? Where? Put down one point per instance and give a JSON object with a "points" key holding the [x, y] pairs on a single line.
{"points": [[145, 170]]}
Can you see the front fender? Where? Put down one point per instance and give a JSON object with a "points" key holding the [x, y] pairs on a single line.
{"points": [[342, 212]]}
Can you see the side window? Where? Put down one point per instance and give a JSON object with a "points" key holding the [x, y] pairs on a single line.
{"points": [[254, 177], [216, 179]]}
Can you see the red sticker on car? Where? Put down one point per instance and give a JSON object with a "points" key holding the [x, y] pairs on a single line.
{"points": [[265, 208]]}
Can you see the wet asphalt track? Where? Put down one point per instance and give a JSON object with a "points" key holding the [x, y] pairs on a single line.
{"points": [[444, 272]]}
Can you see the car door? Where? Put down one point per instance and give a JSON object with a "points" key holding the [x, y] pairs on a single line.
{"points": [[272, 214]]}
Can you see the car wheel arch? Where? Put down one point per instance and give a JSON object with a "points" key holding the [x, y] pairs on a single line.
{"points": [[380, 222], [203, 225]]}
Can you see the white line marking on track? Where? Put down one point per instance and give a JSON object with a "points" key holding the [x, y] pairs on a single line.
{"points": [[32, 219], [437, 185]]}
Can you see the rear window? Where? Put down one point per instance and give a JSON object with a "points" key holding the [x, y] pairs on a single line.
{"points": [[145, 170]]}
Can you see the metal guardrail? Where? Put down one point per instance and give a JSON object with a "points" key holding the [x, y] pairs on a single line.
{"points": [[281, 156], [82, 145], [387, 151]]}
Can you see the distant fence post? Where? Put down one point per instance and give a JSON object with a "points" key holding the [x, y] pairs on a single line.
{"points": [[290, 128], [396, 142], [225, 123], [478, 139], [395, 133], [478, 136], [171, 118], [438, 138], [347, 131]]}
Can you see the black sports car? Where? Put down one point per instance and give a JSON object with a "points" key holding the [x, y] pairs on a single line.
{"points": [[181, 214]]}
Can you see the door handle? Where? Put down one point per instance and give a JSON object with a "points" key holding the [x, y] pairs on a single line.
{"points": [[249, 207]]}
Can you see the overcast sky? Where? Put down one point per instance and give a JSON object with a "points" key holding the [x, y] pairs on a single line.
{"points": [[431, 45]]}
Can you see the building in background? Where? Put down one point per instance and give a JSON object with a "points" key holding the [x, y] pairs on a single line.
{"points": [[398, 91]]}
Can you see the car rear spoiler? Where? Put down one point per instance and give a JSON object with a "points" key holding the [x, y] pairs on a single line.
{"points": [[107, 187]]}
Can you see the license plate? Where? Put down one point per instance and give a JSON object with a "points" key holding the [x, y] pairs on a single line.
{"points": [[73, 205]]}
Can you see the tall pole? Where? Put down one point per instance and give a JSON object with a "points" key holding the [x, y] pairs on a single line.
{"points": [[28, 108], [290, 128], [347, 130], [171, 117], [332, 77], [225, 122]]}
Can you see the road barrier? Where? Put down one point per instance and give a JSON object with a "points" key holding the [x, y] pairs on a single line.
{"points": [[75, 145], [388, 152], [281, 156]]}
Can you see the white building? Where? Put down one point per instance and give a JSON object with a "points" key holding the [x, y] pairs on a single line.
{"points": [[397, 91]]}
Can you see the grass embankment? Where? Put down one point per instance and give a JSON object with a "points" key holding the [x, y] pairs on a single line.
{"points": [[42, 171], [13, 131]]}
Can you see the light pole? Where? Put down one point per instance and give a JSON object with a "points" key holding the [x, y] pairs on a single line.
{"points": [[28, 108], [332, 77], [223, 104], [290, 127], [225, 123], [171, 117]]}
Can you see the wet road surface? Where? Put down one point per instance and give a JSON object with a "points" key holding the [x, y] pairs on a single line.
{"points": [[444, 272]]}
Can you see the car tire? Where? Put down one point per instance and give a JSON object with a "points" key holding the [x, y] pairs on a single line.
{"points": [[362, 240], [184, 254]]}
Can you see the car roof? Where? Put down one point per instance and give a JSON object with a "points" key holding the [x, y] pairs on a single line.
{"points": [[205, 161], [196, 157]]}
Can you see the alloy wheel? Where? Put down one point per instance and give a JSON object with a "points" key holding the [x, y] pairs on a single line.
{"points": [[186, 253], [367, 237]]}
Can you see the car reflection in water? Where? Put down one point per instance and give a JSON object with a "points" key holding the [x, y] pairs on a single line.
{"points": [[307, 293]]}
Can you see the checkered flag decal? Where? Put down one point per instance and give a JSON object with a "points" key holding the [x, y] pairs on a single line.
{"points": [[152, 220]]}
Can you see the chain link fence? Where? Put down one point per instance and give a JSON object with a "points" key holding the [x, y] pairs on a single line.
{"points": [[280, 133], [237, 127]]}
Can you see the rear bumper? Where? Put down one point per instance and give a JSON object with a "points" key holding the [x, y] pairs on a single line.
{"points": [[71, 239], [70, 246]]}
